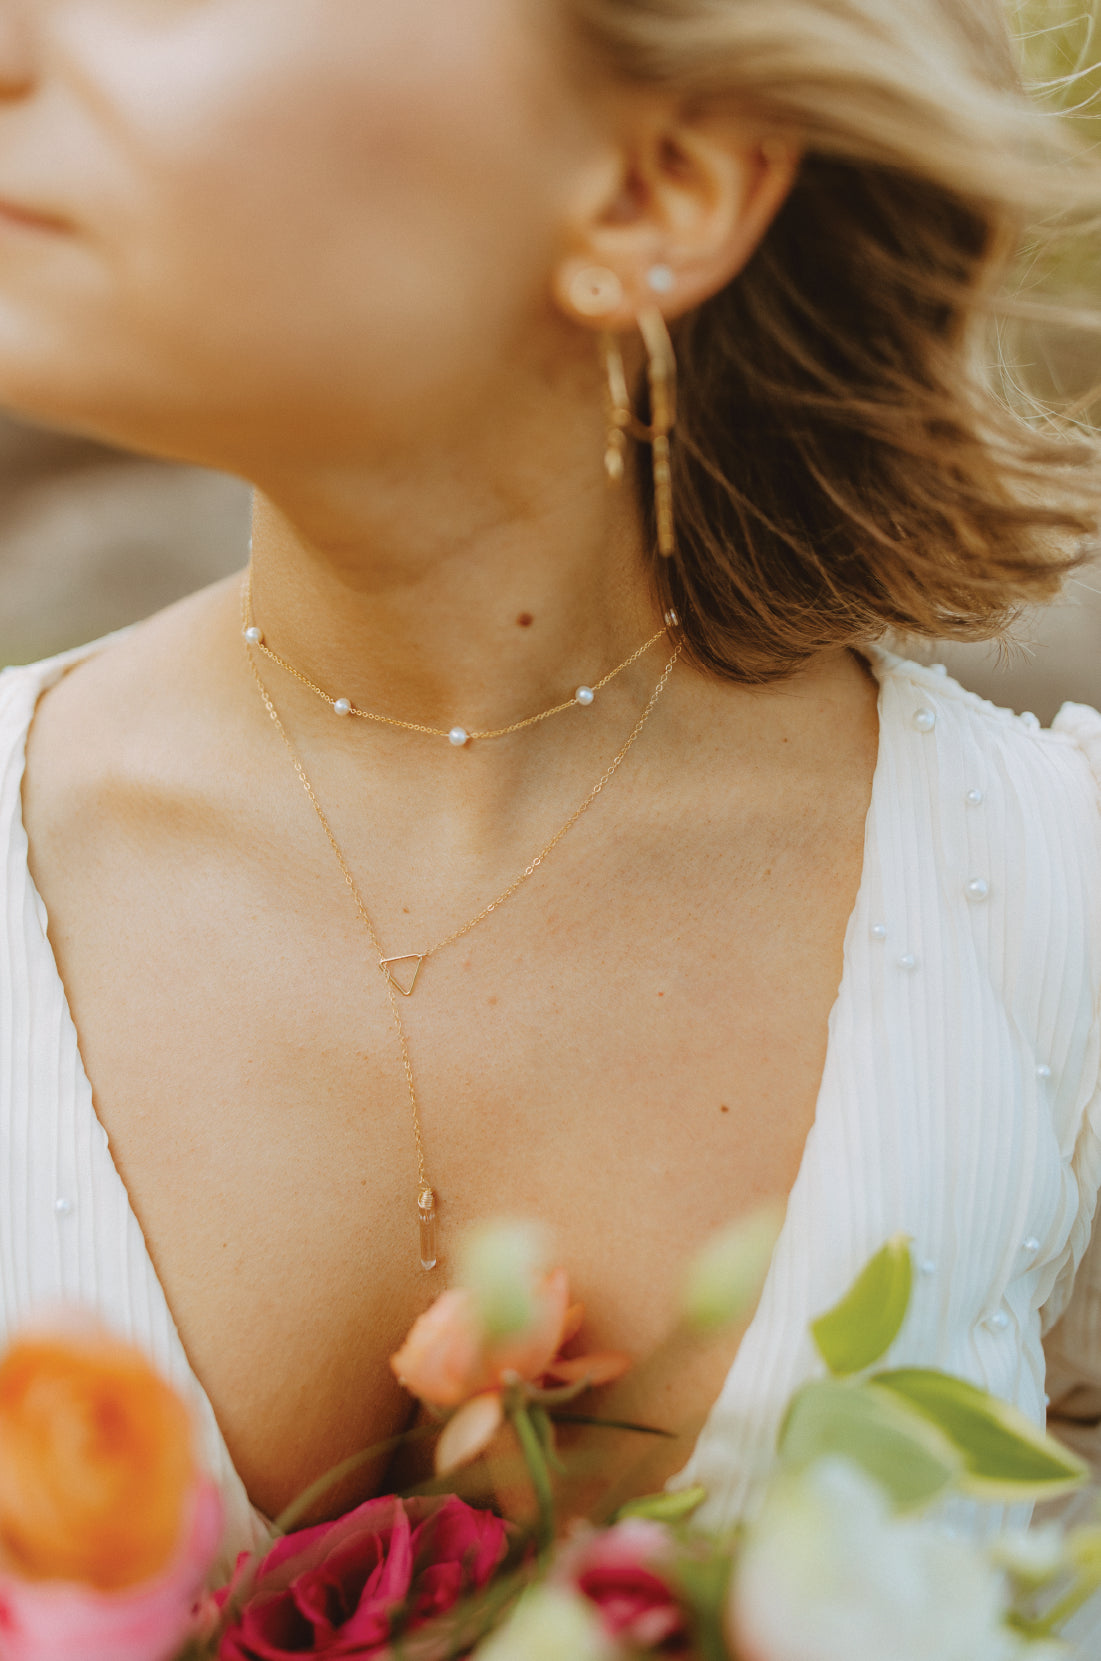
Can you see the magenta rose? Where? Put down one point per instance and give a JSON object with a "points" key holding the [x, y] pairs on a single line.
{"points": [[346, 1588], [624, 1571]]}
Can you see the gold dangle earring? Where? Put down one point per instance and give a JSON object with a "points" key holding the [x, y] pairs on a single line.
{"points": [[617, 407], [596, 292], [661, 370]]}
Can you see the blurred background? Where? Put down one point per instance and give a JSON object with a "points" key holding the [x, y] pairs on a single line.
{"points": [[91, 538]]}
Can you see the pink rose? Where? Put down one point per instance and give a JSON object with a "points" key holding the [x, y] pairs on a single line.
{"points": [[345, 1588], [56, 1620], [622, 1570]]}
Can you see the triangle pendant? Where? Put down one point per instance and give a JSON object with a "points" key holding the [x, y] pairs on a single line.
{"points": [[406, 979]]}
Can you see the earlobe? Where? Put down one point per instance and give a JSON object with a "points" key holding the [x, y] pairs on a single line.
{"points": [[594, 291]]}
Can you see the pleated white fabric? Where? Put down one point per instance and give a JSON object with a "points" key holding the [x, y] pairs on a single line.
{"points": [[960, 1101]]}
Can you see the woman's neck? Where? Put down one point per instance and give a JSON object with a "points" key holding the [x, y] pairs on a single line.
{"points": [[443, 617]]}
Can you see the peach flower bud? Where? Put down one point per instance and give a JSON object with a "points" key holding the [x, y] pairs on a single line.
{"points": [[442, 1359], [448, 1356], [469, 1432], [590, 1370], [97, 1468]]}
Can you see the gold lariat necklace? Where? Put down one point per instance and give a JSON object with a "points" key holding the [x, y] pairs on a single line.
{"points": [[400, 974], [583, 696]]}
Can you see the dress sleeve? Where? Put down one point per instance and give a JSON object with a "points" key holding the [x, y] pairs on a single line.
{"points": [[1073, 1313]]}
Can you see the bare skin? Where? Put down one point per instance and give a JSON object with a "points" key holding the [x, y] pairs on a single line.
{"points": [[629, 1051], [631, 1048]]}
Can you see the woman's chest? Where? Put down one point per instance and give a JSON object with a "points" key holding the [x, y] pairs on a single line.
{"points": [[631, 1061], [574, 1064]]}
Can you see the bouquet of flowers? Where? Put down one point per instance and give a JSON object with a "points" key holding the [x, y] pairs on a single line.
{"points": [[109, 1530]]}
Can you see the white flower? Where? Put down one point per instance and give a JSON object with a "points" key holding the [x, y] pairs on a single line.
{"points": [[830, 1573], [550, 1623], [1034, 1555]]}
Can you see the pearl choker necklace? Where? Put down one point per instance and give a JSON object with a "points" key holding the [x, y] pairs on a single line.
{"points": [[401, 971], [458, 736]]}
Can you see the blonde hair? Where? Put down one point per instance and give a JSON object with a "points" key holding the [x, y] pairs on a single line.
{"points": [[852, 452]]}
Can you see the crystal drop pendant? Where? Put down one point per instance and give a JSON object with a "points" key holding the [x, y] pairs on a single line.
{"points": [[429, 1227]]}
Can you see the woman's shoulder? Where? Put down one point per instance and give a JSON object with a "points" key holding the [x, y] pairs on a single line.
{"points": [[116, 715], [1082, 725], [972, 731], [1010, 812], [22, 690], [22, 684], [119, 666]]}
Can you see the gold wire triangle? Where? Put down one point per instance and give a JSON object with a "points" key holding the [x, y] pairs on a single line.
{"points": [[410, 957]]}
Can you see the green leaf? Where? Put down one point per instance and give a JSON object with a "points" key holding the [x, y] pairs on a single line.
{"points": [[664, 1508], [1084, 1547], [859, 1330], [1006, 1457], [897, 1447]]}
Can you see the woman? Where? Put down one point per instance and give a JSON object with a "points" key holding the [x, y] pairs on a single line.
{"points": [[366, 256]]}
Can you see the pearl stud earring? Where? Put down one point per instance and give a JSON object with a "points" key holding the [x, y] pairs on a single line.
{"points": [[660, 279]]}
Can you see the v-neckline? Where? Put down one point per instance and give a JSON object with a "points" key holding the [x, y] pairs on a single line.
{"points": [[46, 675]]}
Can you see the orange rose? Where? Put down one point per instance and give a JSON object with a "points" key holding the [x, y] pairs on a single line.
{"points": [[97, 1468]]}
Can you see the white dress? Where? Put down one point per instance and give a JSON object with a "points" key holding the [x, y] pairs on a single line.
{"points": [[959, 1103]]}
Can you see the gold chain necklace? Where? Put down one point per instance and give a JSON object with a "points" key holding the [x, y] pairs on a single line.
{"points": [[426, 1196], [459, 736]]}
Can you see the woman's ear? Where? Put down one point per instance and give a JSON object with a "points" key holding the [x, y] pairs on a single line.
{"points": [[673, 214]]}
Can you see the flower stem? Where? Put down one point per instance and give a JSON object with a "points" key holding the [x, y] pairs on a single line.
{"points": [[300, 1507], [536, 1460], [1047, 1625]]}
